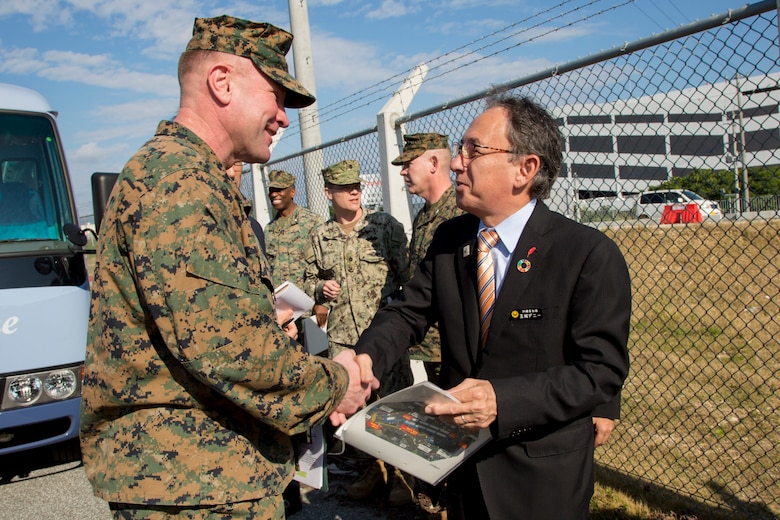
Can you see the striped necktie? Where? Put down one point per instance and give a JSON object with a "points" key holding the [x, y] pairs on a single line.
{"points": [[486, 281]]}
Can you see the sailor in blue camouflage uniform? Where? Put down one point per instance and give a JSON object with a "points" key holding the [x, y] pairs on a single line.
{"points": [[191, 389]]}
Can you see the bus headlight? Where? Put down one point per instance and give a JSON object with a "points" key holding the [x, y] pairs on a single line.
{"points": [[42, 387], [60, 384], [25, 390]]}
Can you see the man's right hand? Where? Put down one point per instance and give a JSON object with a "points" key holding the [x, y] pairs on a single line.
{"points": [[360, 387], [331, 289]]}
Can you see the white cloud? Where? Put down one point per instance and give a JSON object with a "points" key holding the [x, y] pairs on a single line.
{"points": [[142, 109], [92, 153], [479, 73], [391, 9], [90, 69], [339, 62], [43, 13], [165, 26], [20, 61], [89, 158], [133, 122]]}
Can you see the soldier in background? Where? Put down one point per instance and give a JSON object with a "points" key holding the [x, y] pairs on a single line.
{"points": [[425, 167], [358, 258], [287, 243], [288, 234], [360, 261], [191, 389]]}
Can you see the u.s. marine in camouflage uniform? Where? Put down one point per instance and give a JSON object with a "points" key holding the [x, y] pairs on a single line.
{"points": [[359, 258], [288, 235], [425, 166], [191, 389]]}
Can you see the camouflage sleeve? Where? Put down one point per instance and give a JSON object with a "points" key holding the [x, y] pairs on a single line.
{"points": [[215, 314]]}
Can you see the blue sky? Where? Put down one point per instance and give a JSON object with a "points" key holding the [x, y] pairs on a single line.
{"points": [[109, 66]]}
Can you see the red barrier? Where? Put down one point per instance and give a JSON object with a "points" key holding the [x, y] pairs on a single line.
{"points": [[681, 214], [672, 213], [691, 213]]}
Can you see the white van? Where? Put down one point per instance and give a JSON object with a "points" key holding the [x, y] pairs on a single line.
{"points": [[650, 204], [44, 291]]}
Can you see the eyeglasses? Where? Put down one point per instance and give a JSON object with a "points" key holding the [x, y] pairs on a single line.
{"points": [[470, 150]]}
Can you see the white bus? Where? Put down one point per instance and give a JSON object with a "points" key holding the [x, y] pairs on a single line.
{"points": [[44, 292]]}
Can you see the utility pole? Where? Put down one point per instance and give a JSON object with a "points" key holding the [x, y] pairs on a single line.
{"points": [[308, 117]]}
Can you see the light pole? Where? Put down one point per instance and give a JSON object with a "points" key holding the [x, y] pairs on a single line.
{"points": [[308, 117]]}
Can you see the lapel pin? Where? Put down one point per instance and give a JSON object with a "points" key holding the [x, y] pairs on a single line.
{"points": [[466, 250], [524, 265]]}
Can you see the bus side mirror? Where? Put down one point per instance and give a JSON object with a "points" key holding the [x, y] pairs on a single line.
{"points": [[102, 184], [75, 234]]}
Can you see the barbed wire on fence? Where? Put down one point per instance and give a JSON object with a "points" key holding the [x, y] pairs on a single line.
{"points": [[452, 61]]}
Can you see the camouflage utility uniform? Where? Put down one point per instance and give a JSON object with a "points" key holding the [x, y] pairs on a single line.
{"points": [[191, 389], [288, 240], [370, 264], [424, 226]]}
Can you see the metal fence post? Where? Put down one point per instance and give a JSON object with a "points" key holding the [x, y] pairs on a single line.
{"points": [[396, 202]]}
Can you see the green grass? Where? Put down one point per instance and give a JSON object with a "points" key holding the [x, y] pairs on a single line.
{"points": [[700, 420]]}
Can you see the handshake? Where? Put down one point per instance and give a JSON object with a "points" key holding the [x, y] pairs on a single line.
{"points": [[475, 405], [361, 383]]}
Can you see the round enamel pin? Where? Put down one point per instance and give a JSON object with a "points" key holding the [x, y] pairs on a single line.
{"points": [[524, 265]]}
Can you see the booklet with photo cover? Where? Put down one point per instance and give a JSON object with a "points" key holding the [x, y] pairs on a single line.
{"points": [[397, 430]]}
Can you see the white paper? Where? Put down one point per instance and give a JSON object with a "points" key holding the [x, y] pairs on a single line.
{"points": [[311, 461], [397, 430], [419, 374], [289, 296]]}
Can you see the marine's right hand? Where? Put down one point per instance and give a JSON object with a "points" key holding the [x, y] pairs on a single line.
{"points": [[358, 391]]}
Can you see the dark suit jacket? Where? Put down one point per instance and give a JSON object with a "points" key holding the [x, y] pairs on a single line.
{"points": [[556, 352]]}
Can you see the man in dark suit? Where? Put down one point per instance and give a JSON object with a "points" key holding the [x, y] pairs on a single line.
{"points": [[552, 353]]}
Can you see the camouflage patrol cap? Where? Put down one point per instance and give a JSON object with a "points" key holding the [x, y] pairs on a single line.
{"points": [[263, 43], [280, 179], [416, 144], [343, 173]]}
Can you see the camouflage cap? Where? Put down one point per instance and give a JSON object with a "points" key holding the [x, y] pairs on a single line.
{"points": [[416, 144], [280, 179], [343, 173], [263, 43]]}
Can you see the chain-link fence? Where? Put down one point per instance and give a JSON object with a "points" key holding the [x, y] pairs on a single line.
{"points": [[693, 111]]}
